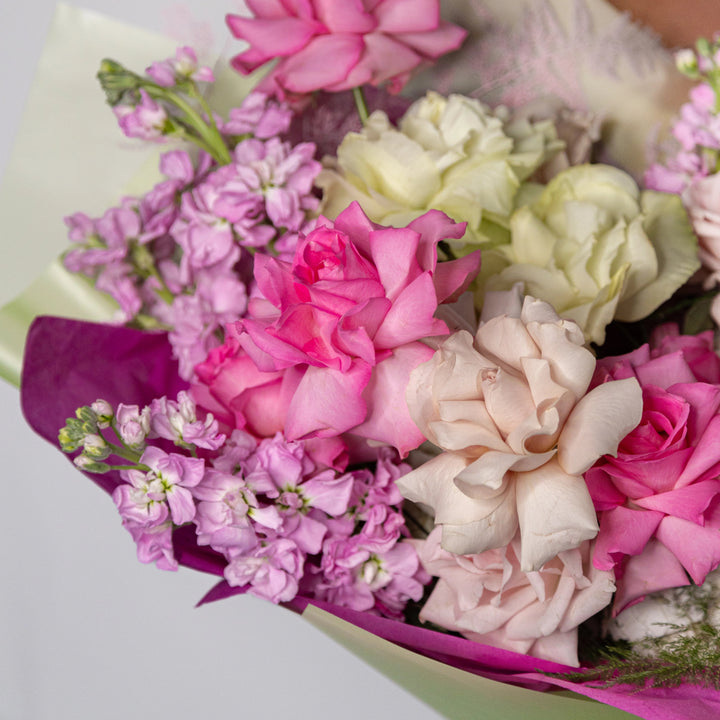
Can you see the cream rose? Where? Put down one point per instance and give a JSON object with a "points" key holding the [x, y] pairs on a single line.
{"points": [[596, 248], [489, 599], [452, 154], [510, 410]]}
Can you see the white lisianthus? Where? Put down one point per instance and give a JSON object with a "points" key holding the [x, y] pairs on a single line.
{"points": [[452, 154], [596, 248]]}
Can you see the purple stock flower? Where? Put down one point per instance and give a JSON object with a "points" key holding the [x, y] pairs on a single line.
{"points": [[228, 512], [178, 421], [149, 495], [273, 570], [697, 130], [106, 244], [197, 320], [145, 121], [80, 227], [260, 116], [184, 66], [132, 424], [370, 569], [268, 187], [154, 544]]}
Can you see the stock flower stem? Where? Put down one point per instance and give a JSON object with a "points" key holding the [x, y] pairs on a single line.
{"points": [[165, 295], [125, 453], [203, 104], [209, 135], [123, 450], [360, 104]]}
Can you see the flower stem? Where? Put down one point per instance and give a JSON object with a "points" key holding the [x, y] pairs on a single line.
{"points": [[125, 453], [209, 135], [360, 104]]}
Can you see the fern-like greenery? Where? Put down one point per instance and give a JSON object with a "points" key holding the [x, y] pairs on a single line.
{"points": [[687, 654]]}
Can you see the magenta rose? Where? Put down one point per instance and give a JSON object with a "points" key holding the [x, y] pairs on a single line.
{"points": [[331, 45], [658, 501], [329, 344]]}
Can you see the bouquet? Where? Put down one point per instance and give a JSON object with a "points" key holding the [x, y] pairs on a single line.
{"points": [[415, 361]]}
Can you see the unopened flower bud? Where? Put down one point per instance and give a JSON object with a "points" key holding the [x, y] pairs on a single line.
{"points": [[88, 419], [72, 435], [89, 465], [104, 413], [686, 62], [95, 447], [116, 81]]}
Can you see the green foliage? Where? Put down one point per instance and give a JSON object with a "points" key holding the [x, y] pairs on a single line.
{"points": [[688, 654]]}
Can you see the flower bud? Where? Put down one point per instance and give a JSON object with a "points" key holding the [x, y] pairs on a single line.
{"points": [[89, 465], [686, 62], [95, 447], [104, 413], [116, 81], [72, 435]]}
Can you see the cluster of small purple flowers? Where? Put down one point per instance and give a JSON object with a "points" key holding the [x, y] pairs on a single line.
{"points": [[697, 129], [174, 258], [368, 569], [284, 524]]}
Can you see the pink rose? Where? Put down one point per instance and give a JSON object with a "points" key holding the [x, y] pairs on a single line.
{"points": [[489, 599], [658, 501], [334, 46], [698, 351], [330, 343], [238, 394]]}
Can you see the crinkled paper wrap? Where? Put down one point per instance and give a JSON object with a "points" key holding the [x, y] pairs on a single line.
{"points": [[85, 172]]}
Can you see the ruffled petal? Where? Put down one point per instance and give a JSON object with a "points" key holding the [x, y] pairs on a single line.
{"points": [[555, 513], [696, 547], [328, 402], [398, 16], [278, 37], [623, 531], [388, 420], [309, 70], [655, 569], [598, 423], [446, 38], [495, 530], [348, 16], [411, 316]]}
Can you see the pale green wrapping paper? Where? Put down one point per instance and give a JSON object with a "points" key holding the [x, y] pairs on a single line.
{"points": [[88, 170], [455, 693], [85, 172]]}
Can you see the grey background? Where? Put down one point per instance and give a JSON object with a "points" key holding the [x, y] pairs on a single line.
{"points": [[85, 630]]}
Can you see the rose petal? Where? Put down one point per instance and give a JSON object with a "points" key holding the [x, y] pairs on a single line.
{"points": [[598, 423], [328, 402], [389, 420], [623, 531], [655, 569], [688, 503], [697, 548], [308, 69], [555, 513]]}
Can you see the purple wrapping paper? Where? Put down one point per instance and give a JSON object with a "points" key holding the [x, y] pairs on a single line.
{"points": [[70, 363]]}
